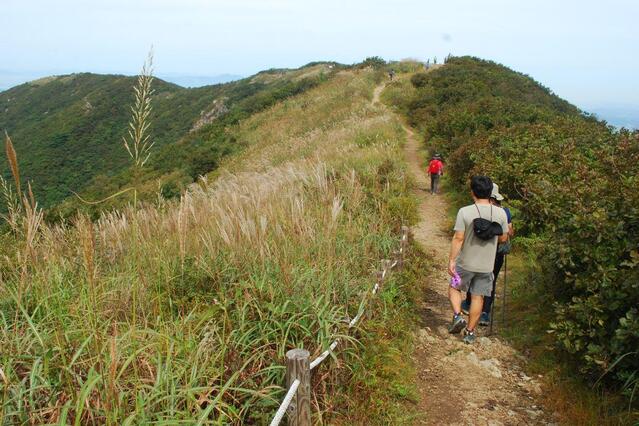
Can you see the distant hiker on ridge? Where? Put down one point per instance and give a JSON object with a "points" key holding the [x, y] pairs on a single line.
{"points": [[391, 74], [478, 229], [436, 170]]}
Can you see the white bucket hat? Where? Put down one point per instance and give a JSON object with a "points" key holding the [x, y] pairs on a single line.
{"points": [[495, 194]]}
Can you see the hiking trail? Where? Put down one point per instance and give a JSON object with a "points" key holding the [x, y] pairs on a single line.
{"points": [[460, 384]]}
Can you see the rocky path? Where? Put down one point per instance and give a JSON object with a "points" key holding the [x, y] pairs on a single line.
{"points": [[459, 384]]}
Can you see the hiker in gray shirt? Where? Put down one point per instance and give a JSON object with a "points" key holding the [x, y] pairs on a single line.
{"points": [[478, 229]]}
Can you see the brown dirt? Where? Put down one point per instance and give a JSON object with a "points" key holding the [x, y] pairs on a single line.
{"points": [[459, 384]]}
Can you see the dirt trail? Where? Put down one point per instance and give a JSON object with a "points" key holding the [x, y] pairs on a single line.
{"points": [[480, 384], [459, 384]]}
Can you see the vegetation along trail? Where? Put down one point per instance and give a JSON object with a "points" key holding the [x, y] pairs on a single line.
{"points": [[461, 384]]}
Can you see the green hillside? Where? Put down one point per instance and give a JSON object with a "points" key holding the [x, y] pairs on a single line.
{"points": [[181, 311], [68, 130], [572, 182]]}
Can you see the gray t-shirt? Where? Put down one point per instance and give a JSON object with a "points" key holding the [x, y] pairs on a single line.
{"points": [[478, 255]]}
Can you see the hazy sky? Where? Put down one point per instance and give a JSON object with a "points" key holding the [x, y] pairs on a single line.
{"points": [[586, 51]]}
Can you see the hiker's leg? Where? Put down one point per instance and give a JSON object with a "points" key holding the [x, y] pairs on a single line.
{"points": [[477, 302], [499, 261], [432, 183], [464, 288], [488, 301], [468, 300], [481, 287], [455, 298]]}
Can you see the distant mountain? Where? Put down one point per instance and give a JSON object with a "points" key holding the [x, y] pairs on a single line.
{"points": [[67, 130], [619, 116], [9, 79], [187, 80]]}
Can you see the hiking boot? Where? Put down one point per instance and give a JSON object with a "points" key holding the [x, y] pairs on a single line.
{"points": [[457, 325], [484, 319], [469, 337], [465, 306]]}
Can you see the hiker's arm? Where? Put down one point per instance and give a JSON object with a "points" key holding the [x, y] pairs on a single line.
{"points": [[455, 248], [505, 226]]}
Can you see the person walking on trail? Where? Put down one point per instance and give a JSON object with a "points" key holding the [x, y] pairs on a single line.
{"points": [[436, 170], [478, 229], [502, 250]]}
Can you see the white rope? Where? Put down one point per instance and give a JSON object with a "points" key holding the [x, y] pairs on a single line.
{"points": [[279, 415], [357, 317], [317, 361], [285, 403]]}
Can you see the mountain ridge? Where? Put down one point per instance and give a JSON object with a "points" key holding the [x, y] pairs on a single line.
{"points": [[73, 124]]}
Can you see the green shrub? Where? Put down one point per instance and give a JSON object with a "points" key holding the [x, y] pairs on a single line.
{"points": [[419, 80], [575, 183], [373, 61]]}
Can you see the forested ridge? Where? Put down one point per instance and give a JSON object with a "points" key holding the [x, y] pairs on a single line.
{"points": [[68, 130], [572, 181]]}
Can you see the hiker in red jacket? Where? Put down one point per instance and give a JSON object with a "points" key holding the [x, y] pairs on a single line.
{"points": [[436, 169]]}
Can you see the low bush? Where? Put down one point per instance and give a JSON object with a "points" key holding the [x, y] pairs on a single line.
{"points": [[574, 181]]}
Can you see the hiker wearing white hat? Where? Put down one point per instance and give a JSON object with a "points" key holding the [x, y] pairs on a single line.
{"points": [[495, 193]]}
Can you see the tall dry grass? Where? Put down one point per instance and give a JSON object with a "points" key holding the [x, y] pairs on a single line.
{"points": [[138, 142], [181, 312]]}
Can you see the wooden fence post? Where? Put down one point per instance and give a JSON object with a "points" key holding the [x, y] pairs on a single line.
{"points": [[298, 368], [403, 244]]}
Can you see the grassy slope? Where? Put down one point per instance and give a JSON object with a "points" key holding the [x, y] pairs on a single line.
{"points": [[68, 130], [183, 311]]}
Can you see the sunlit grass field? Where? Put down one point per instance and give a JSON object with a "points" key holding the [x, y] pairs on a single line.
{"points": [[180, 312]]}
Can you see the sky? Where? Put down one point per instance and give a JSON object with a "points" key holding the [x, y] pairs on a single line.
{"points": [[586, 51]]}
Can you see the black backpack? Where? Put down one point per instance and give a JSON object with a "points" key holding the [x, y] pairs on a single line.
{"points": [[486, 229]]}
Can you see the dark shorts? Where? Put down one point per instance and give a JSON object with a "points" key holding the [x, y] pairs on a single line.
{"points": [[477, 283]]}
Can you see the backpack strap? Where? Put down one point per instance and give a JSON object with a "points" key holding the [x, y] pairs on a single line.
{"points": [[479, 213]]}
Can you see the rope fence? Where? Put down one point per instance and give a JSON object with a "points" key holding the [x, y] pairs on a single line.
{"points": [[297, 401]]}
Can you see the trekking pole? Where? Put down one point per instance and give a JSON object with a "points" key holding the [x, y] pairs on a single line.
{"points": [[503, 307]]}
